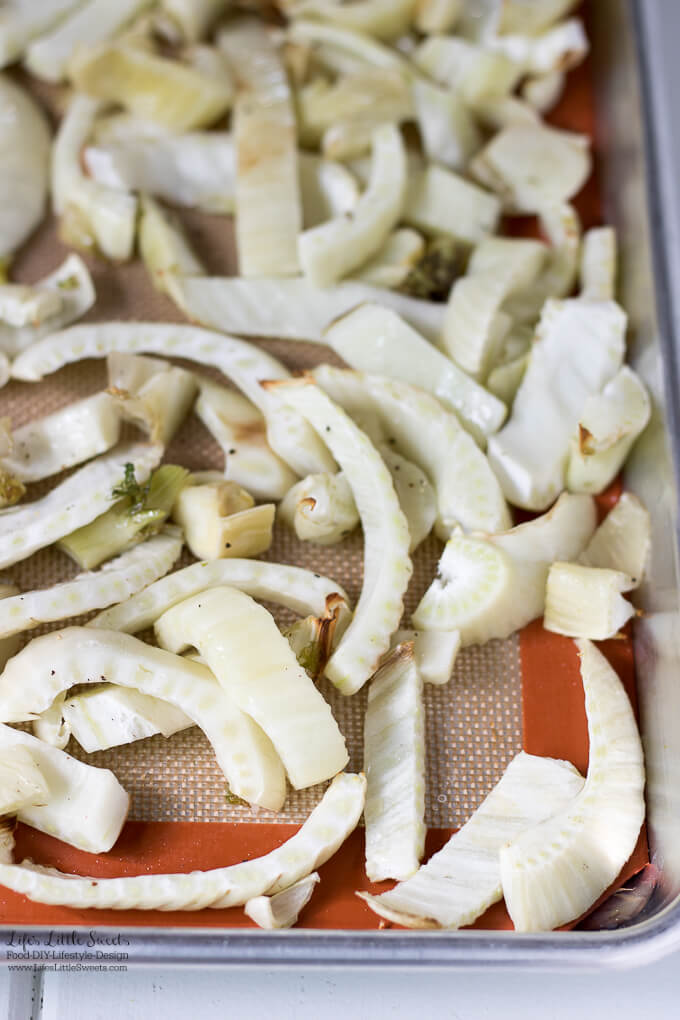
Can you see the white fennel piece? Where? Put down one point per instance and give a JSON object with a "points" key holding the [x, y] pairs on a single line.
{"points": [[82, 655], [151, 393], [327, 189], [416, 495], [434, 651], [387, 566], [394, 762], [283, 909], [22, 783], [85, 806], [219, 519], [256, 666], [442, 203], [11, 645], [623, 540], [117, 580], [459, 882], [383, 19], [553, 872], [393, 262], [164, 246], [23, 20], [24, 163], [194, 18], [586, 601], [22, 304], [320, 508], [326, 829], [598, 264]]}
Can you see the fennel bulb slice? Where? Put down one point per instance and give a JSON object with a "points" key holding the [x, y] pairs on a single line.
{"points": [[21, 304], [598, 264], [464, 878], [326, 829], [579, 348], [22, 784], [108, 716], [553, 872], [257, 667], [467, 490], [164, 247], [85, 806], [415, 493], [83, 655], [384, 19], [327, 189], [387, 566], [586, 601], [242, 362], [437, 17], [320, 509], [22, 21], [447, 126], [194, 17], [219, 519], [391, 266], [476, 72], [71, 504], [394, 761], [623, 540], [284, 908], [434, 651], [299, 590], [441, 203], [117, 580], [158, 400], [24, 166]]}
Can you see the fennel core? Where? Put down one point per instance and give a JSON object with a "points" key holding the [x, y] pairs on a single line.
{"points": [[139, 513]]}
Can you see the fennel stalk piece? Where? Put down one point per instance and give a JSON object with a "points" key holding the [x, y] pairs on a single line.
{"points": [[586, 601], [434, 651], [164, 247], [297, 589], [220, 519], [327, 189], [26, 21], [22, 783], [387, 566], [115, 582], [194, 17], [441, 203], [72, 504], [553, 872], [24, 164], [256, 666], [85, 807], [464, 878], [394, 261], [326, 829], [623, 540], [242, 362], [284, 908], [598, 264], [81, 655], [320, 509], [384, 19]]}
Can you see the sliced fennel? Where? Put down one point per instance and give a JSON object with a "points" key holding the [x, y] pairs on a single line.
{"points": [[118, 580], [394, 261], [11, 645], [243, 363], [140, 511], [529, 18], [48, 56], [255, 664], [196, 168], [610, 423], [73, 283], [434, 652], [586, 601], [361, 101], [488, 587], [464, 878], [562, 226], [302, 591], [219, 519], [241, 431], [387, 567], [164, 247], [358, 48], [85, 806], [22, 783], [475, 72], [22, 21], [293, 309], [384, 19], [82, 655], [194, 17], [76, 433], [24, 166], [108, 716], [23, 305], [440, 202], [543, 91], [153, 394], [327, 189], [314, 638], [375, 339], [552, 873], [320, 509], [333, 249], [394, 760], [622, 542], [72, 504], [177, 95], [579, 348], [327, 827], [598, 264], [504, 380], [268, 206], [92, 215], [435, 17], [467, 490], [284, 908], [5, 369], [416, 495], [447, 127]]}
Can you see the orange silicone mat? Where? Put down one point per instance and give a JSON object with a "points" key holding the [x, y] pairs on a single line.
{"points": [[504, 695]]}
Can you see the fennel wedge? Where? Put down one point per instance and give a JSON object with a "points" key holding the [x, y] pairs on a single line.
{"points": [[25, 146]]}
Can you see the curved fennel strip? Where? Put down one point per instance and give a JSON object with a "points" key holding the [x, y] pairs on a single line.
{"points": [[561, 225], [73, 503], [26, 21], [194, 17], [375, 339], [333, 249], [92, 214], [467, 490], [623, 540], [387, 567], [85, 807], [268, 208], [320, 509], [489, 586], [196, 169], [384, 19], [284, 908], [394, 761], [293, 309], [554, 872], [242, 362], [80, 655], [464, 878], [297, 589], [117, 580], [437, 16], [434, 651], [579, 347], [447, 127], [67, 437], [164, 246], [327, 188], [416, 495], [73, 283], [258, 669], [24, 164], [442, 203], [48, 56], [326, 829], [22, 784], [394, 261]]}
